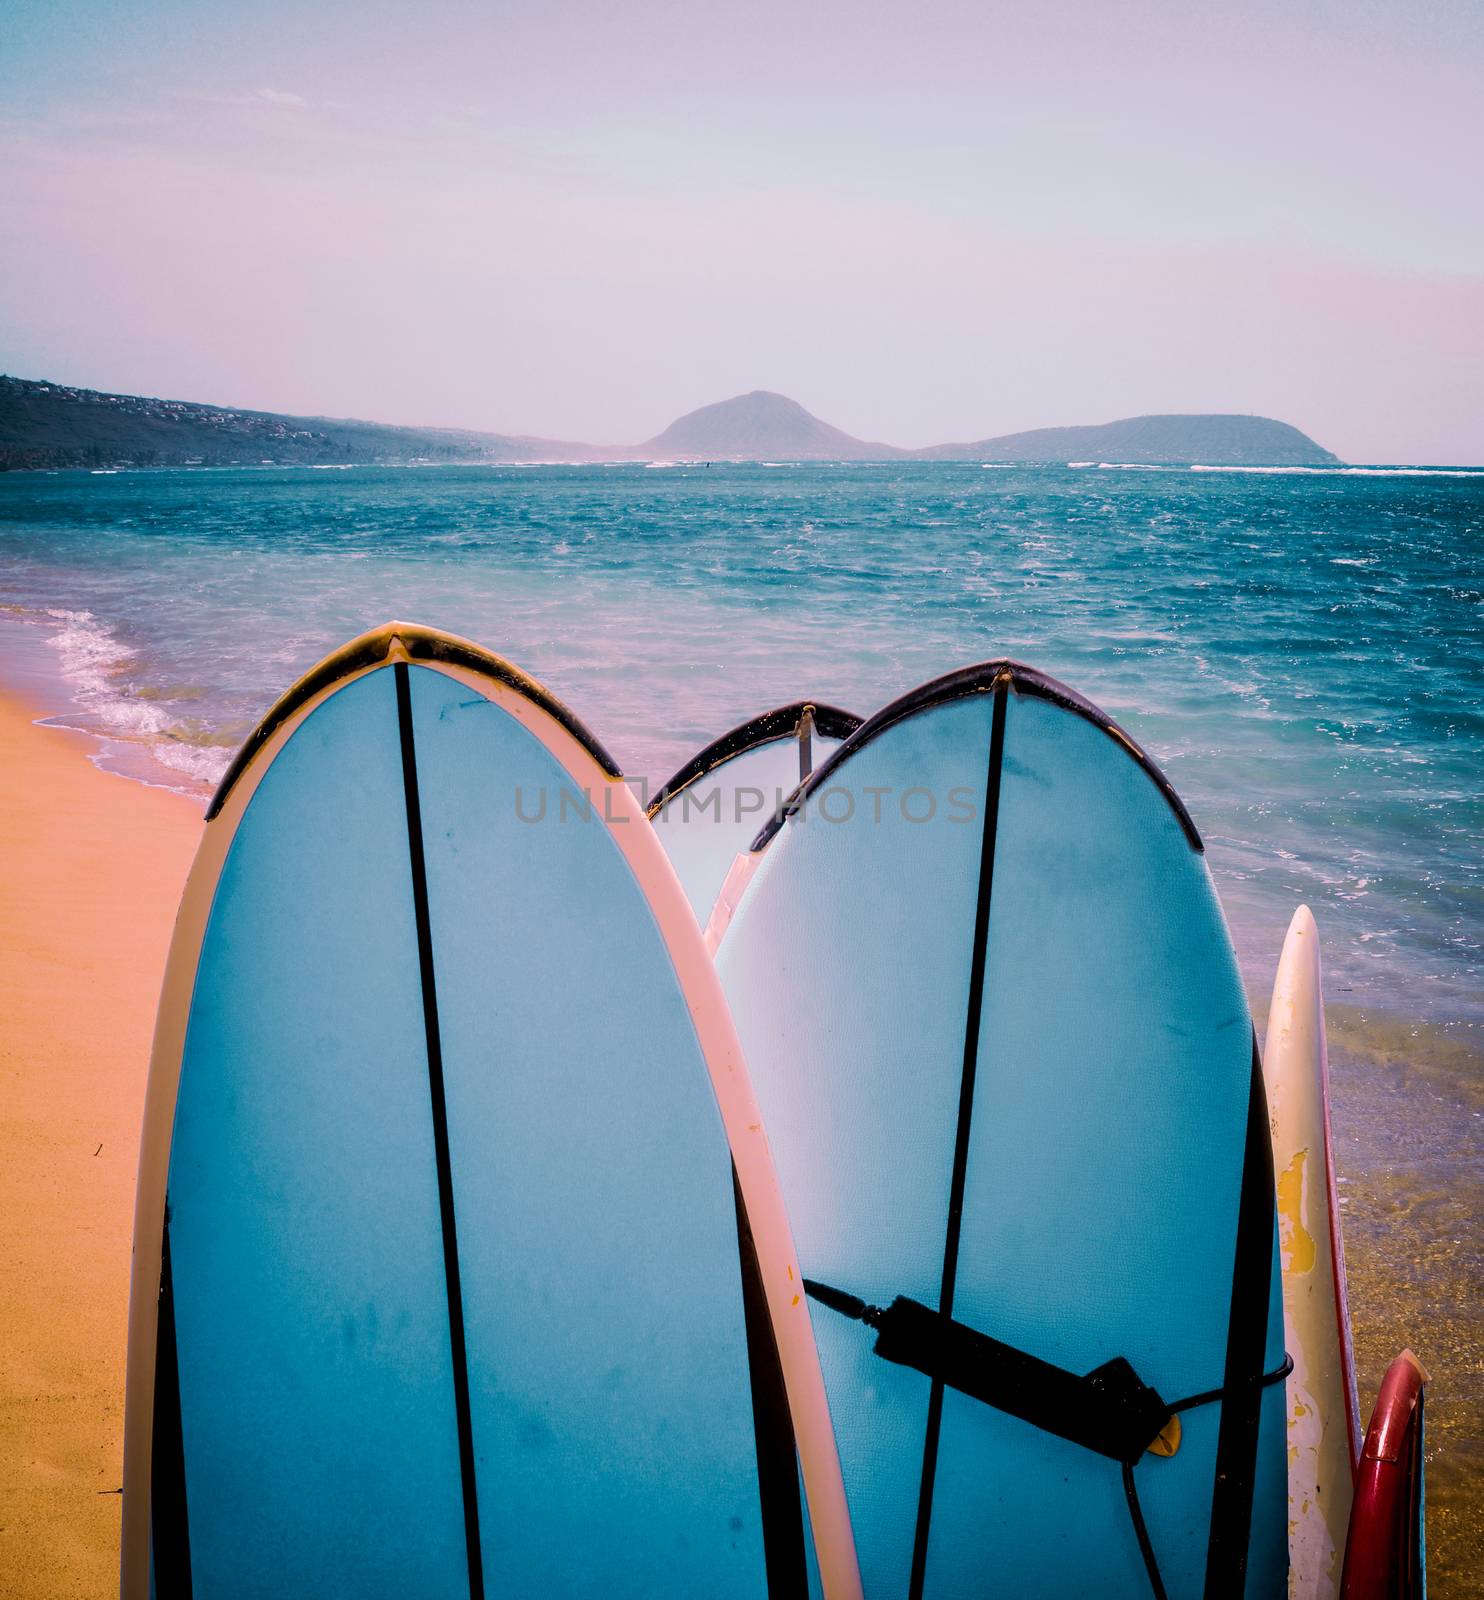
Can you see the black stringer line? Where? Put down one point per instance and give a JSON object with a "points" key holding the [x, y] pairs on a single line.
{"points": [[965, 1115], [440, 1132]]}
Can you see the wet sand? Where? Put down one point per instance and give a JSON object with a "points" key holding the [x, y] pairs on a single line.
{"points": [[1408, 1116], [1407, 1108], [91, 868]]}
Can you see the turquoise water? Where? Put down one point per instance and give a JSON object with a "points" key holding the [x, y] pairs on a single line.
{"points": [[1302, 652]]}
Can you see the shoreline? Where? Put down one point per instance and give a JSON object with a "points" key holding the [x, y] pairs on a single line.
{"points": [[33, 672], [96, 852], [94, 865]]}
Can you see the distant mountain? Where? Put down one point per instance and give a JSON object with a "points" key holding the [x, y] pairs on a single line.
{"points": [[52, 425], [760, 426], [1213, 440]]}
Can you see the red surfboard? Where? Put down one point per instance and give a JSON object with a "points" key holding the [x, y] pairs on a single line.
{"points": [[1386, 1553]]}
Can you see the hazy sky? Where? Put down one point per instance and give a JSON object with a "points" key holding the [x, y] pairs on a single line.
{"points": [[925, 222]]}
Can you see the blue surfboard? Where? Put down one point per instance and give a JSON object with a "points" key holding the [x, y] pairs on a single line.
{"points": [[712, 808], [997, 1033], [458, 1270]]}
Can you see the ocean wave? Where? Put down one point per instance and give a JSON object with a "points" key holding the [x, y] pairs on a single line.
{"points": [[855, 588], [98, 669], [89, 654], [1353, 472], [204, 766]]}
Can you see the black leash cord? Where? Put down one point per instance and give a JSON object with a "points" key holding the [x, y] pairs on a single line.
{"points": [[1131, 1489], [1004, 1378], [1146, 1549], [1266, 1380]]}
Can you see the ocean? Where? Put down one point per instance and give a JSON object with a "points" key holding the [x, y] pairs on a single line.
{"points": [[1302, 651]]}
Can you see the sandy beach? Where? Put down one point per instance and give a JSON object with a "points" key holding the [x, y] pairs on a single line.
{"points": [[91, 868]]}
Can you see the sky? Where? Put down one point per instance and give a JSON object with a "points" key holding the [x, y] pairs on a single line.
{"points": [[580, 219]]}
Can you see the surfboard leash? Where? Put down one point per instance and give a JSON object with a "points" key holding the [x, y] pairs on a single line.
{"points": [[1131, 1490], [1110, 1410]]}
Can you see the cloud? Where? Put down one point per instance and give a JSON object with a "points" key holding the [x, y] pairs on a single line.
{"points": [[253, 99]]}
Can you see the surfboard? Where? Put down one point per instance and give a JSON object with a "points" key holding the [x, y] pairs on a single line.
{"points": [[1323, 1411], [1386, 1549], [709, 812], [460, 1265], [999, 1039]]}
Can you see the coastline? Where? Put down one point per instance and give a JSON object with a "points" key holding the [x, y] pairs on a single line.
{"points": [[93, 869]]}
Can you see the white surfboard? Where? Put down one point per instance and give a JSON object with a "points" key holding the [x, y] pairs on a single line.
{"points": [[1323, 1417]]}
